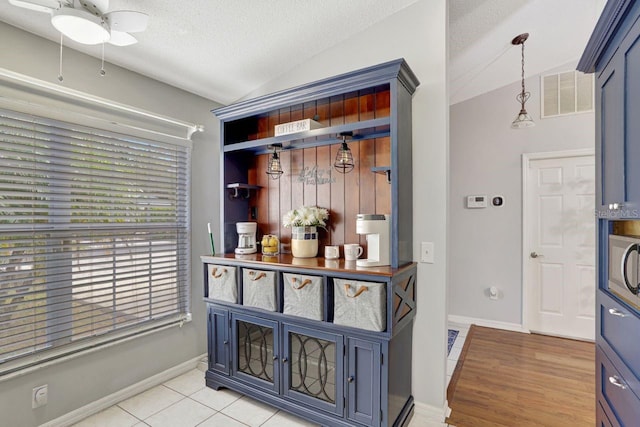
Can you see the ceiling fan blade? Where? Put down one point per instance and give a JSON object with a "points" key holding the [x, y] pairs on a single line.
{"points": [[46, 6], [127, 20], [119, 38]]}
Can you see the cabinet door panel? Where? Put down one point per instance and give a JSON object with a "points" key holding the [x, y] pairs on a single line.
{"points": [[614, 390], [313, 368], [611, 96], [363, 382], [255, 351], [631, 49], [219, 340]]}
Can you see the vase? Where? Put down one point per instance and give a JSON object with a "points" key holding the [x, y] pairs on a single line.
{"points": [[304, 242]]}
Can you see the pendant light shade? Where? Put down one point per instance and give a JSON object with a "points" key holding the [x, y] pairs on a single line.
{"points": [[523, 120], [344, 158], [274, 168]]}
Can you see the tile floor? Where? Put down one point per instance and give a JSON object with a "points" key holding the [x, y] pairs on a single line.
{"points": [[452, 359], [185, 401]]}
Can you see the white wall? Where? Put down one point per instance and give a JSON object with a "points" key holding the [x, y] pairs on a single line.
{"points": [[84, 379], [486, 244], [418, 34]]}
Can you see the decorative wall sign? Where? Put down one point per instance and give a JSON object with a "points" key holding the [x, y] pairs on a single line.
{"points": [[315, 176], [295, 127]]}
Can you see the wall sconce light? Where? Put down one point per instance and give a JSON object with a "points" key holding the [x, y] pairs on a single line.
{"points": [[523, 120], [344, 158], [274, 168]]}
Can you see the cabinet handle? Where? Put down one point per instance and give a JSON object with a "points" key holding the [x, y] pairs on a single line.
{"points": [[275, 357], [225, 342], [350, 379], [616, 312], [347, 289], [617, 382], [258, 277], [614, 206], [285, 360], [302, 285], [215, 274]]}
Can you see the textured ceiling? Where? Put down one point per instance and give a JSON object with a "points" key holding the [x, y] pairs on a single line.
{"points": [[481, 57], [224, 49]]}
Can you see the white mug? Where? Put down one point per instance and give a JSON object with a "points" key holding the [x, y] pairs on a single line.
{"points": [[331, 252], [352, 251]]}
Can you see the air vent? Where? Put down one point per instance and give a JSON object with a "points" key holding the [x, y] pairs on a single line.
{"points": [[565, 93]]}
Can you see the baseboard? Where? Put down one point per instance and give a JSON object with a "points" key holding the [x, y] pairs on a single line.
{"points": [[488, 323], [424, 414], [120, 395]]}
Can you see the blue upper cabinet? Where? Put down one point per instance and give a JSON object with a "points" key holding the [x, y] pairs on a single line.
{"points": [[613, 53]]}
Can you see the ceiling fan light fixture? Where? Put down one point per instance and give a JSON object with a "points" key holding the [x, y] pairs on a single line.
{"points": [[80, 26]]}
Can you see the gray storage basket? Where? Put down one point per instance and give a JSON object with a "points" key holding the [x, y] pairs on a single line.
{"points": [[360, 304], [303, 296], [259, 289], [223, 285]]}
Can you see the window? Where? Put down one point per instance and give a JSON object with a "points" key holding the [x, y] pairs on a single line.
{"points": [[567, 93], [94, 229]]}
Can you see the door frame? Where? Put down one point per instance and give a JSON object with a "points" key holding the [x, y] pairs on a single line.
{"points": [[527, 158]]}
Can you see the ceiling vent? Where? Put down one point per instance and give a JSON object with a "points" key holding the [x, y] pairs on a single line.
{"points": [[565, 93]]}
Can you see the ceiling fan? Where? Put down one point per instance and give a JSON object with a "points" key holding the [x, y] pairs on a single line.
{"points": [[87, 22]]}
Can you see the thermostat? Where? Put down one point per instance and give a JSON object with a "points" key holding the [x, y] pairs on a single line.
{"points": [[476, 202]]}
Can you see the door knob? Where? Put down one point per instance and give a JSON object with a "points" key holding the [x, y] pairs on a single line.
{"points": [[535, 255]]}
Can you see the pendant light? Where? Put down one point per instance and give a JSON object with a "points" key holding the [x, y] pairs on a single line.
{"points": [[344, 158], [274, 168], [523, 120]]}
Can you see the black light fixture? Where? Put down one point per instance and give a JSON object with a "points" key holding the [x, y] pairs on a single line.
{"points": [[523, 120], [274, 168], [344, 158]]}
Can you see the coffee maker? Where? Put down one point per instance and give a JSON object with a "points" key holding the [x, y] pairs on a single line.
{"points": [[377, 229], [246, 237]]}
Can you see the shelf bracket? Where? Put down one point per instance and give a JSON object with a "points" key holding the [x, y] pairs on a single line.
{"points": [[240, 190], [383, 170]]}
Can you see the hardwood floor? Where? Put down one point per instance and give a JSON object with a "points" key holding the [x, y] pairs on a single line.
{"points": [[511, 379]]}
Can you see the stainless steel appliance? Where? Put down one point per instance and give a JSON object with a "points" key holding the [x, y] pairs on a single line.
{"points": [[377, 228], [624, 262], [246, 238]]}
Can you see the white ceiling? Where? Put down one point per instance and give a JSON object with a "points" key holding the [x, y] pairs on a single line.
{"points": [[481, 56], [224, 49]]}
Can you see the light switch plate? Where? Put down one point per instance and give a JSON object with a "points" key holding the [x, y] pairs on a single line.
{"points": [[426, 253]]}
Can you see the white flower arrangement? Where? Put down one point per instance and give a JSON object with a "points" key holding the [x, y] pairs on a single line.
{"points": [[306, 216]]}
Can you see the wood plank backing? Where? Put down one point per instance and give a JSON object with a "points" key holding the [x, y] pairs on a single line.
{"points": [[309, 177], [509, 378]]}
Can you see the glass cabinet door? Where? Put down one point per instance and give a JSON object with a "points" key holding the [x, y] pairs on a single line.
{"points": [[312, 367], [255, 353]]}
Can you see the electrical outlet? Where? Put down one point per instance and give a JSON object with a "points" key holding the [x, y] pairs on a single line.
{"points": [[426, 253], [39, 396]]}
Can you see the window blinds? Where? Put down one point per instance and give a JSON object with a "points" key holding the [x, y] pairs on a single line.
{"points": [[94, 230]]}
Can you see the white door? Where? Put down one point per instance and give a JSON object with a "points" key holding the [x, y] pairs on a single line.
{"points": [[559, 246]]}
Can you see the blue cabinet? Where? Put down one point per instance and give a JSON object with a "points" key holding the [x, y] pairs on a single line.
{"points": [[330, 374], [219, 356], [613, 53], [363, 378]]}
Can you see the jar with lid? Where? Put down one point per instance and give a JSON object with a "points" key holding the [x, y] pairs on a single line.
{"points": [[270, 245]]}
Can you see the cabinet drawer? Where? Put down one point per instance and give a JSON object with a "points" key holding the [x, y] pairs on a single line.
{"points": [[614, 390], [360, 304], [303, 296], [602, 417], [619, 328], [259, 289], [222, 284]]}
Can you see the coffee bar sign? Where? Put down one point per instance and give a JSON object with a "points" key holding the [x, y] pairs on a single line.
{"points": [[295, 127]]}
